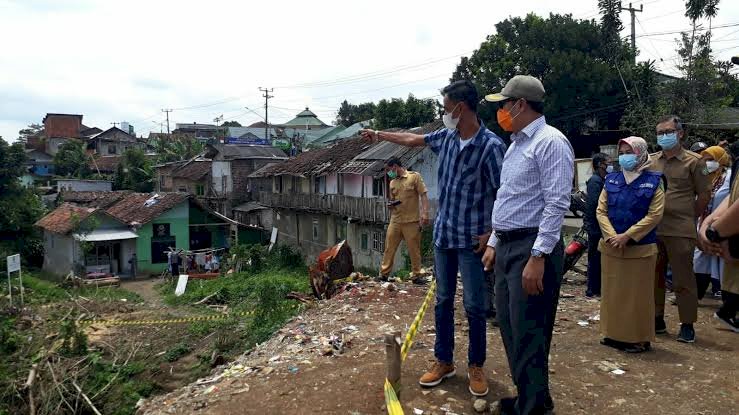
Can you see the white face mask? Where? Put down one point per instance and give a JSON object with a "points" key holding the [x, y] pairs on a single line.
{"points": [[609, 169], [449, 122], [712, 166]]}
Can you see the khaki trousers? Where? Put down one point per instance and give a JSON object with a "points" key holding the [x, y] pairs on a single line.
{"points": [[396, 232], [678, 252]]}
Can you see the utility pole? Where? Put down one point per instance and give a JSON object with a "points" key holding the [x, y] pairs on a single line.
{"points": [[266, 96], [167, 111], [633, 11]]}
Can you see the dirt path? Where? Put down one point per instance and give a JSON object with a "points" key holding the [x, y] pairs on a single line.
{"points": [[145, 288], [290, 374]]}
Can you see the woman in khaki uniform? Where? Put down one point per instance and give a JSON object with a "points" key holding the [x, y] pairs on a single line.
{"points": [[629, 209]]}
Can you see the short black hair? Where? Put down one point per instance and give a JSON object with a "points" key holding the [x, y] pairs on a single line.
{"points": [[393, 161], [462, 91], [674, 118], [599, 158], [538, 107]]}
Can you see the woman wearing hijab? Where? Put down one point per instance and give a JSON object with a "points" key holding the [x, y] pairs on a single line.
{"points": [[629, 209], [709, 267]]}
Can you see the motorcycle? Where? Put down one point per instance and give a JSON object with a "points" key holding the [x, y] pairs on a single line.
{"points": [[579, 243]]}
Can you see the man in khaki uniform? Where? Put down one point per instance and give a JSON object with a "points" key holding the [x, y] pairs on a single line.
{"points": [[688, 194], [406, 189]]}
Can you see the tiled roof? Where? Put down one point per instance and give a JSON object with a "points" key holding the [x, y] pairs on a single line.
{"points": [[318, 162], [93, 199], [195, 170], [132, 208], [63, 219]]}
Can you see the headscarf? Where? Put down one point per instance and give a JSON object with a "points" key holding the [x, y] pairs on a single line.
{"points": [[722, 157], [639, 146]]}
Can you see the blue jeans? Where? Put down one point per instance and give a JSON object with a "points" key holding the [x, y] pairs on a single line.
{"points": [[447, 263]]}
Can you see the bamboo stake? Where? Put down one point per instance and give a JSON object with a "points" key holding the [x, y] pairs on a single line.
{"points": [[392, 353]]}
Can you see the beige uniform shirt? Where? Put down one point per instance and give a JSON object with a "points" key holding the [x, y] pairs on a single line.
{"points": [[686, 179], [407, 188]]}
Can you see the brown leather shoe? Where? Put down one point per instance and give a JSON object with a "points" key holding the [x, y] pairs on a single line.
{"points": [[438, 372], [478, 383]]}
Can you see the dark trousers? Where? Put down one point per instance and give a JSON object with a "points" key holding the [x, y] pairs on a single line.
{"points": [[526, 321], [704, 280], [593, 264], [447, 263], [730, 305]]}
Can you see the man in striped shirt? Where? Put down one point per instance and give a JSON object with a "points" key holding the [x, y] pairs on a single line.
{"points": [[470, 159], [526, 248]]}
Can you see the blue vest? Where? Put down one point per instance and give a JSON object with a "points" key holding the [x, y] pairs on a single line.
{"points": [[629, 203]]}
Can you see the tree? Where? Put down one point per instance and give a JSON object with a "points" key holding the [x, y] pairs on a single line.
{"points": [[32, 131], [231, 124], [177, 147], [72, 161], [398, 113], [569, 56], [349, 114], [134, 172], [21, 207]]}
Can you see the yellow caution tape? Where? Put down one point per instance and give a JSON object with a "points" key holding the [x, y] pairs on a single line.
{"points": [[413, 330], [391, 398], [105, 322]]}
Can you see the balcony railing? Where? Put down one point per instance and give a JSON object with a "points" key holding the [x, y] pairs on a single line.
{"points": [[364, 209]]}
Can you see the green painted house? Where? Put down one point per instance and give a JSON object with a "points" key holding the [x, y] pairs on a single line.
{"points": [[110, 231]]}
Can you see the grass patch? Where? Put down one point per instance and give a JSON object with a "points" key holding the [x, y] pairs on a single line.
{"points": [[179, 350]]}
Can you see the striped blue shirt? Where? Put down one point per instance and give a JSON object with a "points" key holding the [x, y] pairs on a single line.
{"points": [[468, 182], [535, 185]]}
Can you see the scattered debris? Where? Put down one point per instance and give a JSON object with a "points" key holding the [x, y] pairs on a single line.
{"points": [[480, 405]]}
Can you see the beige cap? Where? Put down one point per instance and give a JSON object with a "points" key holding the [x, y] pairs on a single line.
{"points": [[520, 86]]}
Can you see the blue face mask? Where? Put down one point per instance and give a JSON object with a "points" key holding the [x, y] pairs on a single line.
{"points": [[627, 161], [667, 141]]}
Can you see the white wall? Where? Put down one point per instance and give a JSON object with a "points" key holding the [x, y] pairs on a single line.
{"points": [[353, 185], [219, 170], [84, 185], [59, 253], [426, 165]]}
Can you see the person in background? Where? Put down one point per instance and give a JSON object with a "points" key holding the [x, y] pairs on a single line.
{"points": [[407, 218], [708, 268], [698, 147], [629, 210], [687, 195], [526, 249], [134, 265], [469, 168], [602, 166]]}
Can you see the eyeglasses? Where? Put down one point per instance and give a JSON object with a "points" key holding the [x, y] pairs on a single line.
{"points": [[668, 131]]}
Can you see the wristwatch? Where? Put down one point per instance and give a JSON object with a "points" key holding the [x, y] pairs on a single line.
{"points": [[537, 253], [713, 236]]}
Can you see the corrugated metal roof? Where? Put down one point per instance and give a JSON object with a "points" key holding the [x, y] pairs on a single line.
{"points": [[235, 151], [250, 207]]}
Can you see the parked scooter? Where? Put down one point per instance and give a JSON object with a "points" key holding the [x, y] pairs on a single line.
{"points": [[579, 243]]}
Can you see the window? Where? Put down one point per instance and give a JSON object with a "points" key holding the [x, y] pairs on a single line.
{"points": [[278, 184], [319, 185], [183, 189], [160, 229], [378, 187], [159, 248], [112, 149], [224, 184], [340, 231], [365, 242], [199, 189], [315, 229], [378, 242], [161, 182]]}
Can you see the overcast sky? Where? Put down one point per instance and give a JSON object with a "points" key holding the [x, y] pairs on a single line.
{"points": [[118, 61]]}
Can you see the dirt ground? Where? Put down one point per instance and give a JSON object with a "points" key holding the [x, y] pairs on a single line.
{"points": [[295, 372]]}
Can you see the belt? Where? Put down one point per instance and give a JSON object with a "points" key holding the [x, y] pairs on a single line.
{"points": [[516, 234]]}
